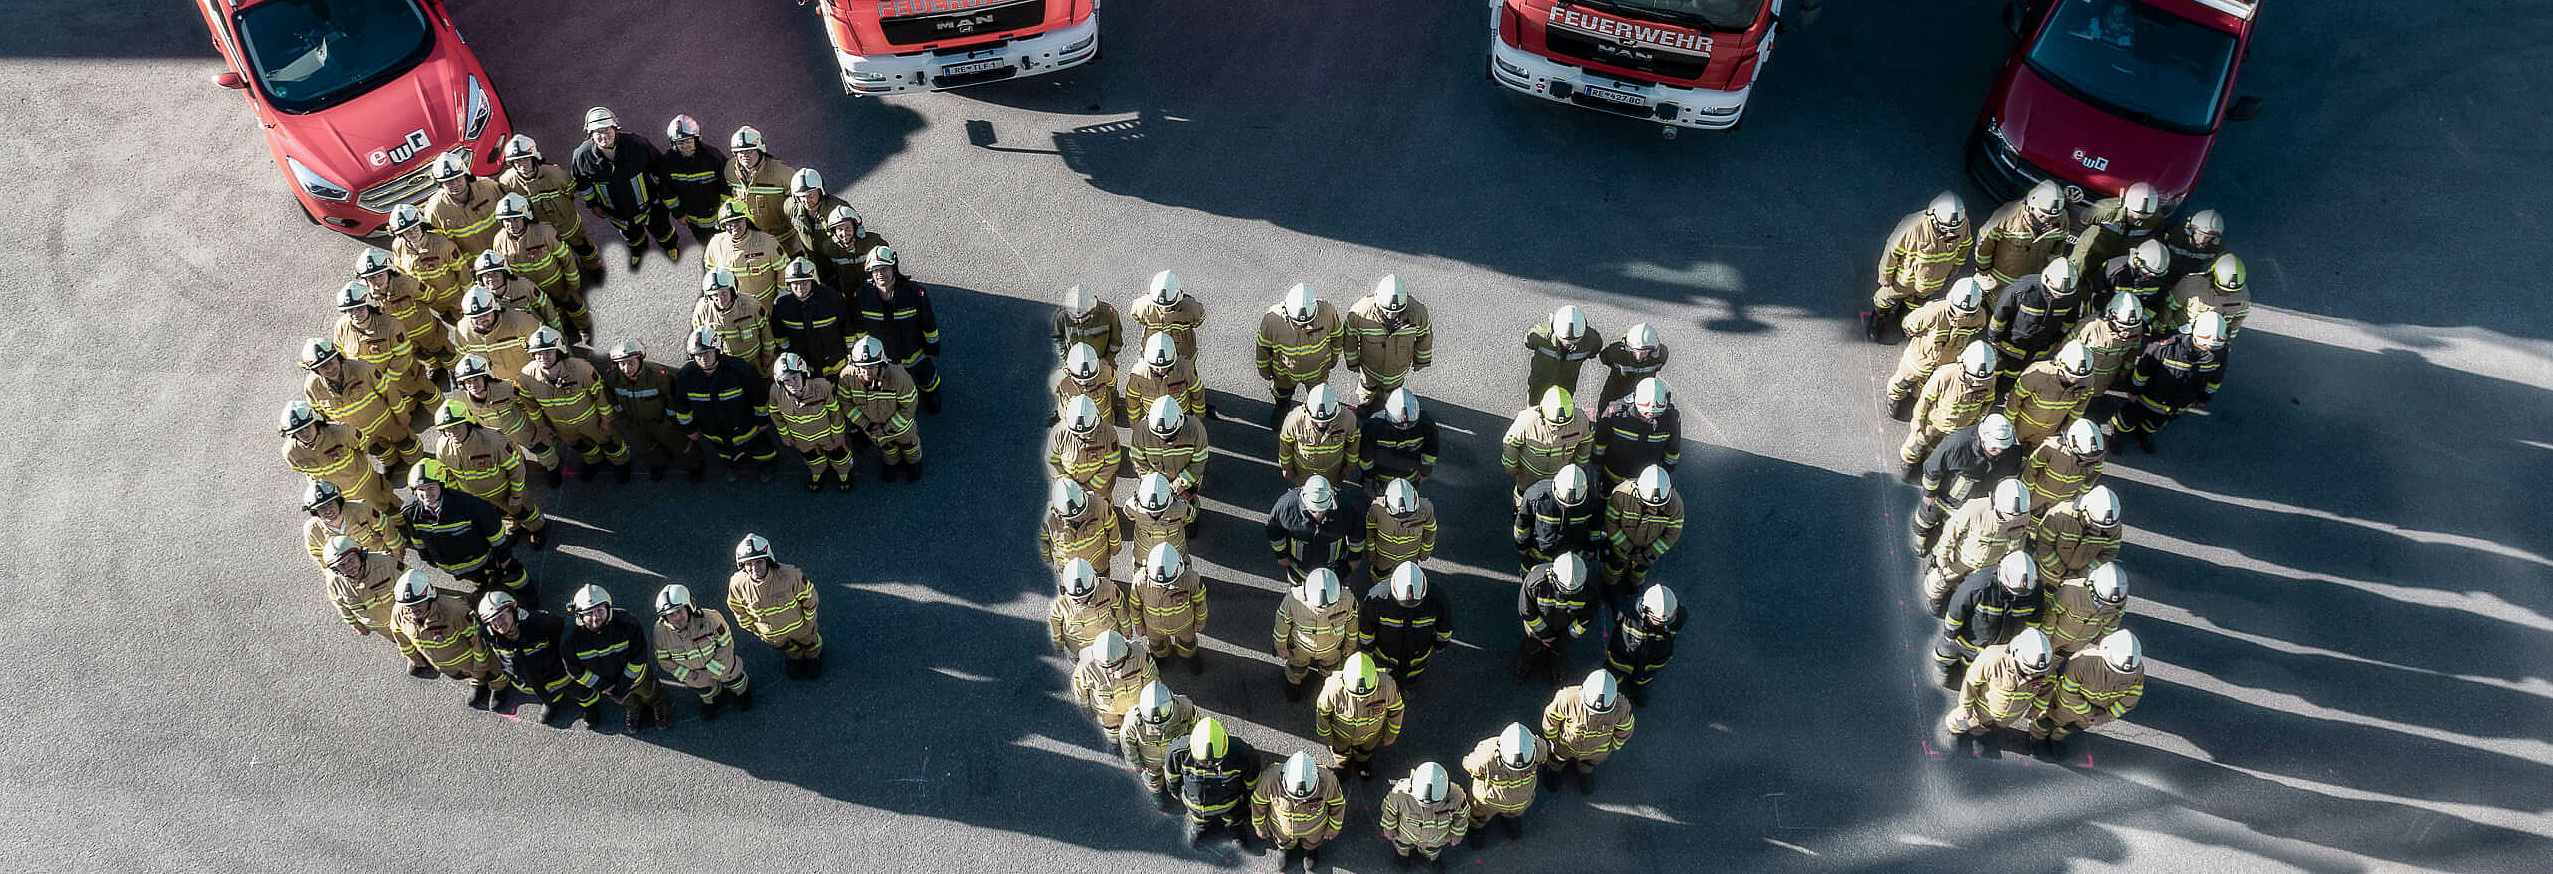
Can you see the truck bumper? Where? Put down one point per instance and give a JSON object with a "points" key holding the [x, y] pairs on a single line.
{"points": [[1062, 48], [1542, 77]]}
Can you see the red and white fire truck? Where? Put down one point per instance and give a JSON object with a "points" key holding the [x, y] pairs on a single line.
{"points": [[899, 46], [1685, 63]]}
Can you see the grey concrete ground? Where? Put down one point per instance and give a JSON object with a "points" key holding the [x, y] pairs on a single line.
{"points": [[2341, 573]]}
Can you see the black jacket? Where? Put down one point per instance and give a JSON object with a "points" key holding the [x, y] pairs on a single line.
{"points": [[1384, 449], [1983, 613], [1546, 527], [1213, 788], [1402, 633], [905, 324], [1627, 442], [613, 658], [1622, 373], [2029, 320], [536, 656], [1328, 542], [2120, 275], [693, 183], [1639, 644], [1550, 615], [625, 185], [461, 537], [816, 328], [1963, 454], [2174, 374], [732, 403]]}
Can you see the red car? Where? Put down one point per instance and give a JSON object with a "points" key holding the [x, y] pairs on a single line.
{"points": [[357, 98], [2104, 93]]}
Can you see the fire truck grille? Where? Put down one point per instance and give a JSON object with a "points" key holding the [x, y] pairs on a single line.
{"points": [[920, 29], [1665, 63]]}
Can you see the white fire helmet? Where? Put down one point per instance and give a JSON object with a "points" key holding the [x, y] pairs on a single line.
{"points": [[1081, 414], [1517, 745], [1570, 484], [1409, 584], [1165, 417], [1401, 406], [1946, 211], [1301, 304], [1569, 573], [2121, 649], [1978, 360], [1600, 692], [2100, 506], [1651, 396], [1320, 588], [1065, 498], [2017, 573], [1317, 495], [2109, 582], [1077, 580], [1995, 431], [2083, 438], [1568, 323], [2030, 648], [1967, 294], [2075, 359], [1160, 350], [1322, 403], [1653, 486], [1389, 295], [2141, 199], [1079, 301], [1399, 497], [2011, 498], [1165, 288], [1302, 776], [1153, 492]]}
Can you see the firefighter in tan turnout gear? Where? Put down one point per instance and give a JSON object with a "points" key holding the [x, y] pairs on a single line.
{"points": [[352, 392], [1085, 320], [495, 332], [1979, 535], [1157, 516], [1317, 439], [1162, 372], [1425, 814], [2080, 610], [696, 649], [378, 529], [438, 629], [438, 265], [495, 404], [2096, 687], [360, 586], [1159, 717], [1085, 374], [1298, 346], [1084, 448], [760, 184], [2002, 686], [2021, 237], [807, 415], [1559, 348], [1503, 771], [480, 461], [463, 206], [753, 257], [1388, 337], [1315, 629], [400, 296], [2049, 393], [1643, 518], [381, 340], [574, 405], [1583, 726], [1169, 605], [1358, 712], [1296, 807], [1075, 526], [552, 194], [532, 250], [1921, 255], [333, 453], [878, 397], [1108, 676], [1085, 605], [1544, 438], [1399, 529], [1173, 444], [1936, 333], [1953, 398], [741, 321], [2070, 538], [777, 603], [1168, 310]]}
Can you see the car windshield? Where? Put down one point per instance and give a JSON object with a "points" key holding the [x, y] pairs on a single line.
{"points": [[309, 54], [1722, 15], [2138, 61]]}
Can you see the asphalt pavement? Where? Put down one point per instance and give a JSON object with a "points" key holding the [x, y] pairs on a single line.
{"points": [[2340, 572]]}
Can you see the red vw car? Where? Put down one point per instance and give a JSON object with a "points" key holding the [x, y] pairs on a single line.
{"points": [[2104, 93], [357, 98]]}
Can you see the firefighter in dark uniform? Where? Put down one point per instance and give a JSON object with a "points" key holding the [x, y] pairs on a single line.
{"points": [[2195, 245], [1558, 349], [2116, 224], [1638, 431], [643, 411], [806, 209], [692, 182], [811, 318], [618, 176], [1318, 525], [1991, 606], [720, 401], [531, 648], [897, 311], [1397, 441], [1402, 623], [461, 534], [608, 652], [1966, 463], [1211, 773], [1643, 640], [1637, 356], [1556, 610], [2142, 273], [2171, 376], [2031, 318], [1557, 517]]}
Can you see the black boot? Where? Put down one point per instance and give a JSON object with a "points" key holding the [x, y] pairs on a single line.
{"points": [[847, 478], [699, 472], [1293, 690], [1285, 859], [557, 476], [1638, 694], [623, 473], [931, 401], [592, 716], [1901, 409], [537, 540], [1514, 826], [709, 708], [913, 471], [1196, 662], [482, 697], [422, 672], [1194, 832], [655, 473], [815, 480], [744, 700], [2144, 440]]}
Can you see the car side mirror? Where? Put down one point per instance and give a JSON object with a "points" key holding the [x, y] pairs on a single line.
{"points": [[229, 79], [2245, 108]]}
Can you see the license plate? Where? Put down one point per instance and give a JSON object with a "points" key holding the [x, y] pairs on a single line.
{"points": [[976, 67], [1611, 96]]}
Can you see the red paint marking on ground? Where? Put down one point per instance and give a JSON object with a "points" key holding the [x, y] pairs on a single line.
{"points": [[2087, 758]]}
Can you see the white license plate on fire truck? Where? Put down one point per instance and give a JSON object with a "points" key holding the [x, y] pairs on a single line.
{"points": [[976, 67], [1609, 95]]}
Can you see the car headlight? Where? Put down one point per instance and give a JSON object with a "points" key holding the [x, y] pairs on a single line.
{"points": [[475, 110], [316, 185], [1509, 69], [1079, 45], [860, 76], [1717, 111]]}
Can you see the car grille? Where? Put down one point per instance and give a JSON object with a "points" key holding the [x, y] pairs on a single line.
{"points": [[407, 188], [919, 29], [1666, 63]]}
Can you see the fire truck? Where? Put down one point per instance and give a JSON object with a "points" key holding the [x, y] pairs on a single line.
{"points": [[900, 46], [1685, 63]]}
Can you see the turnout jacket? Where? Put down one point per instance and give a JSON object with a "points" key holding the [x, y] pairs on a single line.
{"points": [[817, 328], [1627, 442], [1329, 541], [692, 187], [1546, 527], [624, 184], [2030, 318], [1549, 614], [1210, 788], [612, 659], [1385, 450], [903, 321], [535, 658], [461, 536], [701, 656], [1983, 613], [1959, 469], [731, 403], [1403, 633]]}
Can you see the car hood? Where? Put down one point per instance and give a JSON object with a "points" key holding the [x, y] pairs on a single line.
{"points": [[2060, 134], [356, 143]]}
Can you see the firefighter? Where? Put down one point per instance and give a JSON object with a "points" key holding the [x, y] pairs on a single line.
{"points": [[805, 211], [375, 528], [2064, 467], [2075, 536], [1315, 629], [2112, 339], [750, 256], [877, 400], [489, 272], [381, 340], [1555, 518], [1399, 529], [2079, 610], [480, 462], [643, 413], [1979, 535], [2031, 318], [1085, 605], [607, 652], [1396, 442], [1297, 807], [1402, 624], [553, 198], [1639, 431], [812, 319], [1922, 254], [760, 184], [1953, 398], [2096, 687], [532, 250], [400, 296], [696, 649], [691, 167], [461, 534], [1991, 606], [852, 242], [1084, 448], [777, 603], [1298, 346], [897, 311], [1638, 356], [495, 404], [494, 332], [806, 413], [1386, 337], [1936, 333], [1108, 675], [1545, 438], [1172, 443], [2139, 274], [620, 178], [2220, 290], [1316, 439], [1163, 373], [2050, 393], [2195, 244], [1160, 717], [360, 583], [349, 390], [2022, 237], [463, 206], [1503, 770], [1583, 726], [1167, 308], [2116, 224], [1557, 349], [530, 646], [1556, 610], [1357, 712], [1086, 375], [435, 262], [1642, 641], [446, 636], [1169, 604], [721, 402], [1643, 518], [1425, 814], [1972, 457], [331, 452], [1211, 773], [2002, 686], [1084, 319], [1317, 525], [2173, 374], [1156, 515], [1077, 527], [574, 405]]}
